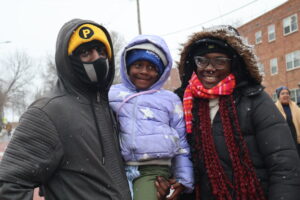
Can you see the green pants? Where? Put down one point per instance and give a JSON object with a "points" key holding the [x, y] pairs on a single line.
{"points": [[144, 186]]}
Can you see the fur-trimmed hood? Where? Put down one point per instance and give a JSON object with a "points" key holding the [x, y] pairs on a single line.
{"points": [[247, 59]]}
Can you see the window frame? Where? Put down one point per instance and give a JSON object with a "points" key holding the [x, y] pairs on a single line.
{"points": [[271, 30], [258, 37], [272, 66], [295, 95], [274, 97], [290, 58], [287, 23], [261, 68]]}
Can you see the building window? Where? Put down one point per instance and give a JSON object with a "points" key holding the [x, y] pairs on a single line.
{"points": [[290, 24], [274, 96], [273, 66], [246, 40], [271, 33], [258, 37], [292, 60], [261, 68], [295, 95]]}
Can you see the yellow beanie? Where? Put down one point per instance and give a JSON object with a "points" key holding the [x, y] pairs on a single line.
{"points": [[86, 33]]}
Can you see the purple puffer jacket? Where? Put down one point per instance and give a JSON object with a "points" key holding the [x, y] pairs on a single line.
{"points": [[152, 122]]}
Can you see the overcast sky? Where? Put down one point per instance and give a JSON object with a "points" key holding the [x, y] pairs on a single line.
{"points": [[33, 25]]}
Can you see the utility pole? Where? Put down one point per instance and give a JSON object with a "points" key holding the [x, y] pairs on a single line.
{"points": [[138, 16]]}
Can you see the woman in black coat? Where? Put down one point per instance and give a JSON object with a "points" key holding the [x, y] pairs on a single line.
{"points": [[239, 141]]}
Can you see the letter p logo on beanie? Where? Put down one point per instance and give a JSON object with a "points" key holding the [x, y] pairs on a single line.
{"points": [[87, 33]]}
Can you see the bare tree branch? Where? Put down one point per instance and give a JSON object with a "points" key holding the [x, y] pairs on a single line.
{"points": [[118, 44], [15, 75]]}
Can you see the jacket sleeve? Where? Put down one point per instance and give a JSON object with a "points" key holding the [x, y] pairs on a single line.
{"points": [[32, 155], [279, 153], [181, 164]]}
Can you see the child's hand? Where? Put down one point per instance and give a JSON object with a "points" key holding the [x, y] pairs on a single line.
{"points": [[175, 191], [163, 187]]}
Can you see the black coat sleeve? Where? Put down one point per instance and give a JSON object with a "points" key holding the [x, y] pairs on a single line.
{"points": [[31, 157], [279, 153]]}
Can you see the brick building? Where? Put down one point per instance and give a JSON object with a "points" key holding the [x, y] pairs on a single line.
{"points": [[276, 38], [174, 81]]}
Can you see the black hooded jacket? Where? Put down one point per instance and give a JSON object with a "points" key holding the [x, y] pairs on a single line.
{"points": [[266, 133], [67, 142]]}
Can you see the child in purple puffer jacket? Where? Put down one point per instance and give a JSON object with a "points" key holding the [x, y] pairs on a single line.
{"points": [[152, 128]]}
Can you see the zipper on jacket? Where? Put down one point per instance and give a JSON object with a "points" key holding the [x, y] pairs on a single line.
{"points": [[100, 137]]}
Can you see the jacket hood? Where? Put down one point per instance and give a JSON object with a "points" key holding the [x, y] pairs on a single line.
{"points": [[247, 60], [65, 70], [158, 42]]}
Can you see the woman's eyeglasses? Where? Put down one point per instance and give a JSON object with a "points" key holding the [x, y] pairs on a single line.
{"points": [[217, 62]]}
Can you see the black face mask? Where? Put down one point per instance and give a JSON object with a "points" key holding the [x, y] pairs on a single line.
{"points": [[91, 73]]}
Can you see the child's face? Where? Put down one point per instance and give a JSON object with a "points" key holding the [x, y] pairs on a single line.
{"points": [[143, 74]]}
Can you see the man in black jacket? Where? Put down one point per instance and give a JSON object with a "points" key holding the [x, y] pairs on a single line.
{"points": [[67, 142]]}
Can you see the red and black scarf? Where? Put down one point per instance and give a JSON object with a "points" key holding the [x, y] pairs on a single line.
{"points": [[196, 89]]}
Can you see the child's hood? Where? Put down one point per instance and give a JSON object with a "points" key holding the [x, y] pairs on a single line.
{"points": [[158, 42]]}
